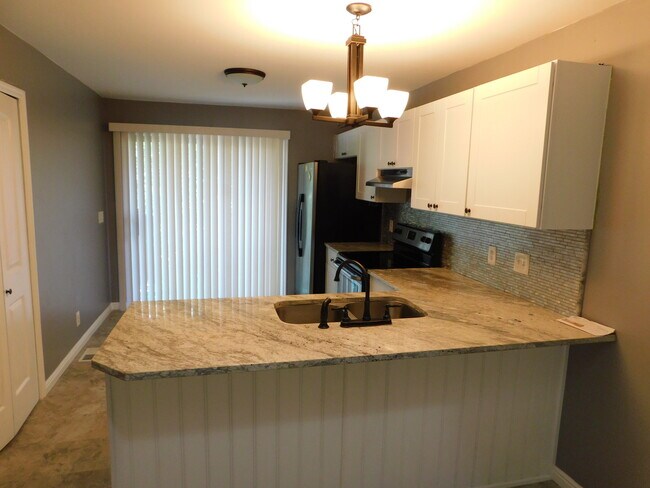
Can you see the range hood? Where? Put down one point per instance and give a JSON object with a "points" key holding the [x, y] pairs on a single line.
{"points": [[398, 178]]}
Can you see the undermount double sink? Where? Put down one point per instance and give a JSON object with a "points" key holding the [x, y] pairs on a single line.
{"points": [[309, 311]]}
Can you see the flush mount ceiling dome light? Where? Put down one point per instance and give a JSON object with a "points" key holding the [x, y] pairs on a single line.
{"points": [[366, 94], [244, 76]]}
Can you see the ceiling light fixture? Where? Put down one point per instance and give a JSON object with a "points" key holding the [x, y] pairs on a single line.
{"points": [[366, 94], [244, 76]]}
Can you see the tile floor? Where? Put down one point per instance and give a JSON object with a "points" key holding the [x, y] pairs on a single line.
{"points": [[64, 443]]}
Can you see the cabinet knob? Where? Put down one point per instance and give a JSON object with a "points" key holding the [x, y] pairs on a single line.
{"points": [[9, 291], [344, 154], [435, 206], [372, 197], [429, 205], [468, 210]]}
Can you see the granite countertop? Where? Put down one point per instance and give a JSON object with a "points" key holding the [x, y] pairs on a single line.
{"points": [[197, 337], [359, 246]]}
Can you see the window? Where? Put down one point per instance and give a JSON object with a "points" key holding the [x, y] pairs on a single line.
{"points": [[204, 215]]}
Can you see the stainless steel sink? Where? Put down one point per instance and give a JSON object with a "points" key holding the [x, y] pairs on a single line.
{"points": [[308, 311]]}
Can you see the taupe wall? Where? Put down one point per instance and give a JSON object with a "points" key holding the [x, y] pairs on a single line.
{"points": [[309, 140], [605, 433], [64, 119]]}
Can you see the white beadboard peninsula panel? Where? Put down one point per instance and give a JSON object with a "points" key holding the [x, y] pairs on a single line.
{"points": [[473, 420]]}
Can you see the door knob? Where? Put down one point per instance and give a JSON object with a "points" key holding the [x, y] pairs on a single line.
{"points": [[9, 291]]}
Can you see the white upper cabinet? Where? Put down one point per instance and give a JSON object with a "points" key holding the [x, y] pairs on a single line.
{"points": [[397, 144], [534, 140], [368, 164], [443, 132], [507, 149], [346, 144], [536, 144]]}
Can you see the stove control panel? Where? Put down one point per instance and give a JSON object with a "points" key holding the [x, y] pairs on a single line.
{"points": [[412, 236]]}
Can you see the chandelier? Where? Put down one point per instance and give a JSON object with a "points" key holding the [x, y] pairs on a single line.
{"points": [[366, 97]]}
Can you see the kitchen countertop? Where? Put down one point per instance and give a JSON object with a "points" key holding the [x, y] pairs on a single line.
{"points": [[359, 246], [197, 337]]}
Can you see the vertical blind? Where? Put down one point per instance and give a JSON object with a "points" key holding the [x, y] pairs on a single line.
{"points": [[204, 215]]}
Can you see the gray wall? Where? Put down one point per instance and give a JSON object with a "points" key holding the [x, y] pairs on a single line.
{"points": [[64, 119], [309, 140], [605, 432]]}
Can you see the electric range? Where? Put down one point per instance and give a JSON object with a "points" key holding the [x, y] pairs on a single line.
{"points": [[412, 248]]}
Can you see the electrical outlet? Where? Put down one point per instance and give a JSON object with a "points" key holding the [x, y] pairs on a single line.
{"points": [[391, 225], [100, 217], [522, 263], [492, 255], [78, 318]]}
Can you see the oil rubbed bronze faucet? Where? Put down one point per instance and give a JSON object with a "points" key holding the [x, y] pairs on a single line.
{"points": [[365, 282], [366, 319]]}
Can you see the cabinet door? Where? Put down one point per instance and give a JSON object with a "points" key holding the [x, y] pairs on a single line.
{"points": [[387, 147], [330, 270], [425, 169], [367, 161], [404, 128], [442, 154], [507, 147], [346, 144], [453, 130], [331, 286]]}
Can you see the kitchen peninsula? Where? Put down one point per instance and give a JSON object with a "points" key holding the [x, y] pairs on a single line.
{"points": [[223, 393]]}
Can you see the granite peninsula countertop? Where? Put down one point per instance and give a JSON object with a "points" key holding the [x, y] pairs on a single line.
{"points": [[359, 246], [197, 337]]}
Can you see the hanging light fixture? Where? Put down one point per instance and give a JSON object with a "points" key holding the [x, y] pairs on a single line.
{"points": [[366, 95]]}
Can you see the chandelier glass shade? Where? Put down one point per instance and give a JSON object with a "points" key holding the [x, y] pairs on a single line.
{"points": [[316, 94], [338, 105], [367, 96]]}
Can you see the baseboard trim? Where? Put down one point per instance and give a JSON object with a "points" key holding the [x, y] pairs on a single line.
{"points": [[81, 343], [563, 479], [512, 484]]}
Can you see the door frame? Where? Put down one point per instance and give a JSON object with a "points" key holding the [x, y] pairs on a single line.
{"points": [[21, 96]]}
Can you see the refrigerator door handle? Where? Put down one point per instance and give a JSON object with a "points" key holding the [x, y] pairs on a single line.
{"points": [[299, 216]]}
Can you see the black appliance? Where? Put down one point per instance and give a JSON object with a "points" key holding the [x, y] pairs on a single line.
{"points": [[412, 248]]}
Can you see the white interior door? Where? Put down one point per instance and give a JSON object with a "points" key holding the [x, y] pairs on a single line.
{"points": [[16, 316], [6, 402]]}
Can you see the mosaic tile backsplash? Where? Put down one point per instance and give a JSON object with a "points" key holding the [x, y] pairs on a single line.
{"points": [[558, 258]]}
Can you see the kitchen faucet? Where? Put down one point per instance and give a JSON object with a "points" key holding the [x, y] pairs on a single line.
{"points": [[365, 283]]}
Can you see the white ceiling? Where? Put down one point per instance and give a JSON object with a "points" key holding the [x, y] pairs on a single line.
{"points": [[176, 50]]}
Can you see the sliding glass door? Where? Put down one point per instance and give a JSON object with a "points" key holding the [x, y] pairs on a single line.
{"points": [[204, 216]]}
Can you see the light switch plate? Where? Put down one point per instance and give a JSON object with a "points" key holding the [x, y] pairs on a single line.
{"points": [[522, 263], [100, 217], [492, 255]]}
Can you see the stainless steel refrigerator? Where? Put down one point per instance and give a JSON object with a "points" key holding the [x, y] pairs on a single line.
{"points": [[327, 211]]}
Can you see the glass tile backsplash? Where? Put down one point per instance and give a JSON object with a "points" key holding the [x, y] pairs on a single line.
{"points": [[558, 258]]}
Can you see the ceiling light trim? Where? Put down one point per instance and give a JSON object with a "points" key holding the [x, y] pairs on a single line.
{"points": [[245, 76]]}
